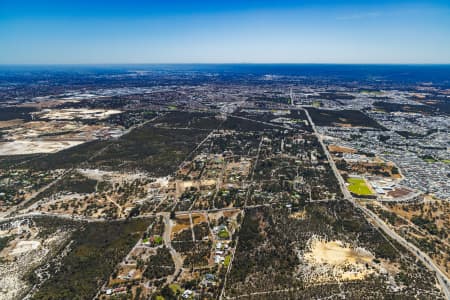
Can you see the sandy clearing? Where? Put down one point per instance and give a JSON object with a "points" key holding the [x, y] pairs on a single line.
{"points": [[299, 215], [181, 223], [182, 185], [111, 176], [79, 113], [21, 147], [10, 123], [336, 148], [336, 253], [24, 247], [334, 260]]}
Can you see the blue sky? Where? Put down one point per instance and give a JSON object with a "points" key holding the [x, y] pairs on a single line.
{"points": [[100, 31]]}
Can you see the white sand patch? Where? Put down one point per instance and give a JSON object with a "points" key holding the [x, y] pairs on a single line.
{"points": [[163, 181], [181, 185], [24, 247], [335, 253], [30, 147], [335, 261], [111, 176], [79, 113], [29, 254]]}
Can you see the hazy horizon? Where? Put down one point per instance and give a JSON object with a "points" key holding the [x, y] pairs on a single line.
{"points": [[217, 63]]}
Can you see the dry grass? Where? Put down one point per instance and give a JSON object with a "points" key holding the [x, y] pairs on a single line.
{"points": [[299, 215], [181, 223], [10, 123], [340, 149]]}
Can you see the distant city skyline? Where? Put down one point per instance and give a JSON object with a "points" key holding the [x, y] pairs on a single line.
{"points": [[103, 32]]}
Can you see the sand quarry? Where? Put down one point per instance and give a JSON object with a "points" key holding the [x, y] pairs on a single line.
{"points": [[22, 147], [23, 247], [334, 260], [49, 137], [78, 113]]}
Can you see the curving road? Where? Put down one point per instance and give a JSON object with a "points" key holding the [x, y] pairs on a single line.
{"points": [[176, 257]]}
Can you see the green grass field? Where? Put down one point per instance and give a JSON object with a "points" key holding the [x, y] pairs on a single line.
{"points": [[430, 160], [227, 260], [358, 186], [433, 160]]}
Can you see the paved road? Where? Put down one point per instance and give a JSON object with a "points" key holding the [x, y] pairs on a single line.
{"points": [[444, 282], [58, 215], [341, 181], [88, 219], [262, 122]]}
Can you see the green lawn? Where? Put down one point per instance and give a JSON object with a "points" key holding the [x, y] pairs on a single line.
{"points": [[430, 160], [433, 160], [158, 239], [358, 186], [176, 289], [227, 260], [223, 234]]}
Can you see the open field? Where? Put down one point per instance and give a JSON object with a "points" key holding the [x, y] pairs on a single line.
{"points": [[340, 149], [358, 186]]}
